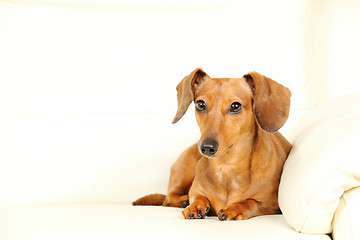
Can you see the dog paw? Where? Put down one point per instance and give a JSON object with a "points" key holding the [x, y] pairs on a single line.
{"points": [[194, 211], [229, 213], [184, 203], [176, 200]]}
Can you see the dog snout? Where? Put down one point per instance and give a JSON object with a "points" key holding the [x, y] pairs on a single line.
{"points": [[209, 147]]}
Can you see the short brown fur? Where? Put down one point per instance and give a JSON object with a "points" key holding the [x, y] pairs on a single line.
{"points": [[241, 179]]}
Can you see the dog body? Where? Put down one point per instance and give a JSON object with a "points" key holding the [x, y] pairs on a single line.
{"points": [[234, 170]]}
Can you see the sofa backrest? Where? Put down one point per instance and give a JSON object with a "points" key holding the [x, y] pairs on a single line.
{"points": [[87, 90]]}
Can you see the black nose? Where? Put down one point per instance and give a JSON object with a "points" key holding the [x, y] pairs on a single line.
{"points": [[209, 147]]}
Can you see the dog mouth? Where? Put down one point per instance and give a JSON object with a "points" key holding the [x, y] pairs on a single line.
{"points": [[229, 148]]}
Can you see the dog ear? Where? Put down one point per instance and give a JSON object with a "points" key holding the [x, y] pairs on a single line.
{"points": [[186, 91], [271, 101]]}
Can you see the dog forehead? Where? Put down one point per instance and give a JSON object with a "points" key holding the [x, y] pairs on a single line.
{"points": [[220, 87]]}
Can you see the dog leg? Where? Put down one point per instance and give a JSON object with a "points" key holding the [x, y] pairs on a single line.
{"points": [[181, 177], [176, 200], [241, 210], [198, 209]]}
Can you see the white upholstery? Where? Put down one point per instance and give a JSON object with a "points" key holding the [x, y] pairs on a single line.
{"points": [[89, 158], [324, 163], [90, 57], [122, 221], [88, 89], [87, 95], [347, 216]]}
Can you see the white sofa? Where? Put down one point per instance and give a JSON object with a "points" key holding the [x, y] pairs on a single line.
{"points": [[319, 190], [87, 95]]}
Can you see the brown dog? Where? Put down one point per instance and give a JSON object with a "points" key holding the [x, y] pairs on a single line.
{"points": [[234, 170]]}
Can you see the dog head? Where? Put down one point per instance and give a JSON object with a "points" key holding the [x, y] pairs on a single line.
{"points": [[229, 108]]}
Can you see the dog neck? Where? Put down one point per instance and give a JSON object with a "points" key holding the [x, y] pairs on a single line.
{"points": [[239, 153]]}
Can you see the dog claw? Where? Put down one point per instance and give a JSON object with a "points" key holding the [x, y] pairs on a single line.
{"points": [[226, 214], [222, 217], [201, 215], [196, 210]]}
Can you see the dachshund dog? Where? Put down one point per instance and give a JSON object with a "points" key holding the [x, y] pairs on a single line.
{"points": [[234, 169]]}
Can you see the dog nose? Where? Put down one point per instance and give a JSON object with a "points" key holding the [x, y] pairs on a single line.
{"points": [[209, 147]]}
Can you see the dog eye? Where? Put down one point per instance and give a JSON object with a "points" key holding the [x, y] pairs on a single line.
{"points": [[200, 106], [235, 107]]}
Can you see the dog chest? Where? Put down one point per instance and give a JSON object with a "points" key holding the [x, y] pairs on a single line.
{"points": [[222, 182]]}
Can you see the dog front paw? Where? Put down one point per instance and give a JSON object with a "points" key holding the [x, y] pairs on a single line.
{"points": [[194, 211], [242, 210], [184, 203], [230, 213]]}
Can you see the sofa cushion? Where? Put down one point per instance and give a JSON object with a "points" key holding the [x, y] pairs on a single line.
{"points": [[347, 216], [96, 56], [122, 221], [89, 158], [323, 164]]}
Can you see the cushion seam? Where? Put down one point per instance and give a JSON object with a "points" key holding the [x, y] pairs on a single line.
{"points": [[345, 198], [315, 195]]}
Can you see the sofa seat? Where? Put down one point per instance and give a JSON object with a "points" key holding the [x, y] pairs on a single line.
{"points": [[120, 221]]}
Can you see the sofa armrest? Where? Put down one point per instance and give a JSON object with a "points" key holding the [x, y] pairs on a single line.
{"points": [[347, 216], [323, 164]]}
